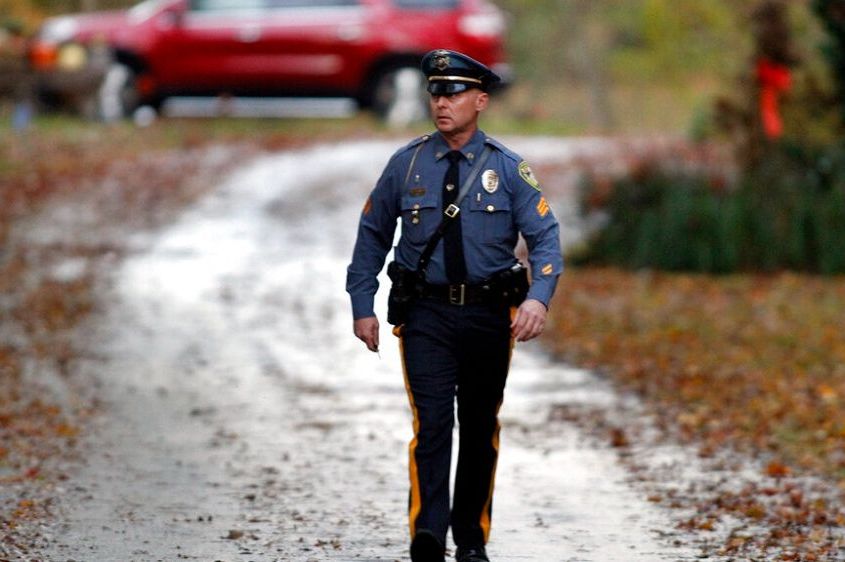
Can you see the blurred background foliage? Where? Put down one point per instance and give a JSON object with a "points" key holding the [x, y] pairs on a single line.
{"points": [[644, 65], [777, 200]]}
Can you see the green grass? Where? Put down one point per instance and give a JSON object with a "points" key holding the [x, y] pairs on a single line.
{"points": [[526, 109]]}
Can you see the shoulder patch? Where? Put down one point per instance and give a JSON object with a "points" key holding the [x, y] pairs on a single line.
{"points": [[526, 174]]}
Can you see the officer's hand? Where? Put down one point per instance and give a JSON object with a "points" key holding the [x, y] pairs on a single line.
{"points": [[366, 330], [529, 321]]}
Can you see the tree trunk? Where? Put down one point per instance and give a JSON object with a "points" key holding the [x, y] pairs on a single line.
{"points": [[591, 53]]}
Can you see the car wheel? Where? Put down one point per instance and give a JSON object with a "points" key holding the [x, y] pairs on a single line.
{"points": [[118, 95], [399, 96]]}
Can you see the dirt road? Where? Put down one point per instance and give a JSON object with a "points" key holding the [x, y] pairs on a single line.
{"points": [[243, 421]]}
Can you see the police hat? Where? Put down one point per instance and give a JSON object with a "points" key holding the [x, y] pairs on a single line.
{"points": [[451, 72]]}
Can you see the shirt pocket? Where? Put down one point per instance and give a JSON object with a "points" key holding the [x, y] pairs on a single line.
{"points": [[490, 215], [420, 216]]}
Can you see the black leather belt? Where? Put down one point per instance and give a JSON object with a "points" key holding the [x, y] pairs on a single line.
{"points": [[459, 295]]}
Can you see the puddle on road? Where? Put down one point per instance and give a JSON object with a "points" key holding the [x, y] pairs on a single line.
{"points": [[247, 423]]}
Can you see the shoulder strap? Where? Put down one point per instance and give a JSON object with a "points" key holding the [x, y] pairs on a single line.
{"points": [[420, 144], [451, 211]]}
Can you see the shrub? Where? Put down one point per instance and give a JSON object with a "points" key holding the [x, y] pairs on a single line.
{"points": [[787, 213]]}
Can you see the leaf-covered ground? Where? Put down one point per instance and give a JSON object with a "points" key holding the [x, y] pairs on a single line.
{"points": [[105, 183], [751, 363]]}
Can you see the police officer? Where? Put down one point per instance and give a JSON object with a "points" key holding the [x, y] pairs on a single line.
{"points": [[460, 317]]}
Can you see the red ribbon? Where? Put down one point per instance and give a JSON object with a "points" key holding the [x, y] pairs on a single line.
{"points": [[774, 79]]}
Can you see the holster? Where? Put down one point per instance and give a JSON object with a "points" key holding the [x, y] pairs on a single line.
{"points": [[512, 284], [403, 291]]}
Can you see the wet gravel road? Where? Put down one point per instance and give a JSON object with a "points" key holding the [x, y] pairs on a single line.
{"points": [[244, 422]]}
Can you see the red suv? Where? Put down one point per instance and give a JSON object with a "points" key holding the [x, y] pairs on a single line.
{"points": [[110, 63]]}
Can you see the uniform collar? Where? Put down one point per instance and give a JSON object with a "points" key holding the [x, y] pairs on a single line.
{"points": [[470, 150]]}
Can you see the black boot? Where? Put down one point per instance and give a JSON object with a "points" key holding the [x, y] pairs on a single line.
{"points": [[426, 547], [471, 554]]}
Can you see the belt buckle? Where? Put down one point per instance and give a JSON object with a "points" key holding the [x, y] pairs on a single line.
{"points": [[457, 294], [452, 211]]}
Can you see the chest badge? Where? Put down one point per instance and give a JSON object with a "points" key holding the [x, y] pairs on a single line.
{"points": [[490, 181]]}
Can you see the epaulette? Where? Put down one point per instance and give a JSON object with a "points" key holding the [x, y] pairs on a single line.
{"points": [[417, 145], [503, 149], [414, 144], [417, 141]]}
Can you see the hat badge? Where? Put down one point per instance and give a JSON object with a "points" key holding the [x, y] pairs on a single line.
{"points": [[441, 62]]}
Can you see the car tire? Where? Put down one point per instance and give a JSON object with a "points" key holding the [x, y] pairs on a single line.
{"points": [[399, 96], [118, 95]]}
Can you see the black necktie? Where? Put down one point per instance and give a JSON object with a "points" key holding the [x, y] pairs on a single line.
{"points": [[453, 248]]}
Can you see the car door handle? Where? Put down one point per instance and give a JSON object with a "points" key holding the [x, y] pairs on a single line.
{"points": [[249, 34]]}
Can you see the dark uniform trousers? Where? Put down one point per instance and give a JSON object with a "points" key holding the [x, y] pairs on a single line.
{"points": [[451, 351]]}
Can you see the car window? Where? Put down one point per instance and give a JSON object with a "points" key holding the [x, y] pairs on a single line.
{"points": [[310, 3], [242, 5], [226, 5], [145, 9], [426, 4]]}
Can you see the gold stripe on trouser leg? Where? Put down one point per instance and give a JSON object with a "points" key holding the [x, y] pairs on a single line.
{"points": [[416, 502], [485, 513]]}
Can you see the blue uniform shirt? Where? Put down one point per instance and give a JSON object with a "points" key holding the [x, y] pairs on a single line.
{"points": [[504, 200]]}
